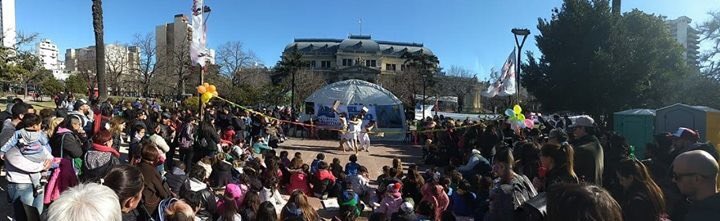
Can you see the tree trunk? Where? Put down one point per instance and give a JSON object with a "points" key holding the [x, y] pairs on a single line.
{"points": [[99, 50], [146, 88]]}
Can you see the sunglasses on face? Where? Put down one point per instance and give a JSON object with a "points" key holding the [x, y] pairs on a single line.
{"points": [[679, 176]]}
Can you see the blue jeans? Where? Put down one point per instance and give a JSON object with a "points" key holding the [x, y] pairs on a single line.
{"points": [[24, 192]]}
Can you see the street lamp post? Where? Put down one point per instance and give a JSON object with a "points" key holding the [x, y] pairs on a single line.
{"points": [[292, 93], [524, 33], [423, 98]]}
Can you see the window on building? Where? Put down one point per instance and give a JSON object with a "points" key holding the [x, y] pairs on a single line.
{"points": [[390, 67], [402, 67], [325, 64], [371, 63], [347, 62], [312, 64]]}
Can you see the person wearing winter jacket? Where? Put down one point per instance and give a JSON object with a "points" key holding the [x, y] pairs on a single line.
{"points": [[270, 193], [195, 188], [477, 164], [392, 200], [434, 193], [19, 184], [324, 179], [67, 141], [98, 161], [177, 177], [155, 191]]}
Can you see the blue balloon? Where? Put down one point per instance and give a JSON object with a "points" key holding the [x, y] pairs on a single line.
{"points": [[509, 113]]}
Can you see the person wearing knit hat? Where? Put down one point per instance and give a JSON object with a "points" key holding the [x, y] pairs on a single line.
{"points": [[232, 199], [406, 213], [392, 200], [229, 206]]}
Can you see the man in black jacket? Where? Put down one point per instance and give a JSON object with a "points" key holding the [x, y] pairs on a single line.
{"points": [[589, 156], [198, 194], [695, 174]]}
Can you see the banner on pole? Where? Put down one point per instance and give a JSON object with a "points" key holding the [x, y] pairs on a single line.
{"points": [[505, 84], [328, 117], [199, 53]]}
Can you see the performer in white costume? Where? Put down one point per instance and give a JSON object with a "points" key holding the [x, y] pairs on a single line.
{"points": [[343, 131], [365, 137], [354, 127]]}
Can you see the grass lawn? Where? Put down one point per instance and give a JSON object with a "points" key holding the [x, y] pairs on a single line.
{"points": [[46, 102]]}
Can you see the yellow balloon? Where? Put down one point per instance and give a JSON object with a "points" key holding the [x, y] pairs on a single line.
{"points": [[206, 97], [517, 109], [201, 89], [212, 88], [520, 117], [207, 85]]}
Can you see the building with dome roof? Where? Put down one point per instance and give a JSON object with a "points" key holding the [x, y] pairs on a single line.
{"points": [[357, 57]]}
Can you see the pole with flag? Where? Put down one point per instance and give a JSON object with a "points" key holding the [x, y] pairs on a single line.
{"points": [[505, 84], [199, 53]]}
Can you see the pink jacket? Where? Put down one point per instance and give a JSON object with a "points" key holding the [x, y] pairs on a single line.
{"points": [[299, 181], [62, 178], [436, 195], [390, 204]]}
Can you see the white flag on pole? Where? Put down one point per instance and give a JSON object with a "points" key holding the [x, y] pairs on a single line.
{"points": [[505, 84], [198, 51], [493, 88]]}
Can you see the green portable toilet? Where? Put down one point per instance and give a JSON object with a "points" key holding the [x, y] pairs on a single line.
{"points": [[637, 126]]}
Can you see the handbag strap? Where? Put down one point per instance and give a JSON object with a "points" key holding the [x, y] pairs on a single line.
{"points": [[62, 144]]}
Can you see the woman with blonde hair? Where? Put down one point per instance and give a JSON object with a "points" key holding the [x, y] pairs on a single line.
{"points": [[298, 206], [117, 126], [53, 123]]}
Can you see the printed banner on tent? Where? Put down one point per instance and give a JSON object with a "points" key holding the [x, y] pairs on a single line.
{"points": [[328, 118]]}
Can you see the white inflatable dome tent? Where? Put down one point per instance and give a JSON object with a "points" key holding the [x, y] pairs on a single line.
{"points": [[383, 107]]}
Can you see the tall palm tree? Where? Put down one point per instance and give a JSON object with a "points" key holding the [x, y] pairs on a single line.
{"points": [[99, 49], [289, 64]]}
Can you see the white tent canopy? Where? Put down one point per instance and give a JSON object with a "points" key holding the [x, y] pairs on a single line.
{"points": [[383, 107], [354, 92]]}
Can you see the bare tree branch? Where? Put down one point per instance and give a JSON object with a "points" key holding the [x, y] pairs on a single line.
{"points": [[232, 59], [148, 64]]}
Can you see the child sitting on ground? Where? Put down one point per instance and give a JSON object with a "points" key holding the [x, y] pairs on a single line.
{"points": [[336, 168], [352, 167], [316, 162], [284, 160], [324, 180]]}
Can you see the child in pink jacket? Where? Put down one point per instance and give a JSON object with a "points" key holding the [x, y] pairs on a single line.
{"points": [[392, 200]]}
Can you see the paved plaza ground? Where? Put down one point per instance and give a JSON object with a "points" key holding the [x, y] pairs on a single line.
{"points": [[379, 156]]}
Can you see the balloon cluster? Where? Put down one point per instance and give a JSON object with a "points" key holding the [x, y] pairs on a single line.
{"points": [[207, 91], [517, 119]]}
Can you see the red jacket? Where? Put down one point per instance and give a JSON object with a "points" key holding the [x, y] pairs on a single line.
{"points": [[324, 174]]}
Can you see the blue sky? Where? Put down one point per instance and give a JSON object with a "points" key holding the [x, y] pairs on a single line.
{"points": [[474, 34]]}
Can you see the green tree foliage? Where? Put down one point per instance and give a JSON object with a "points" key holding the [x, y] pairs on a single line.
{"points": [[76, 84], [596, 62], [287, 69], [420, 69], [289, 63], [51, 86], [17, 63]]}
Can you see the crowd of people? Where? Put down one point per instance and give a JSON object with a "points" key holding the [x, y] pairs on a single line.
{"points": [[223, 164]]}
